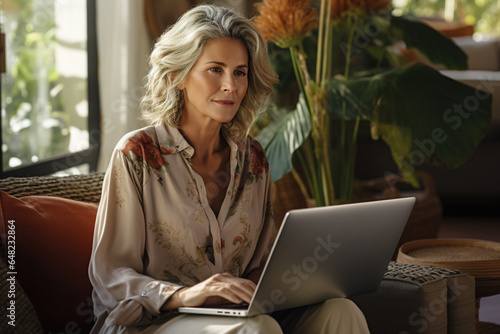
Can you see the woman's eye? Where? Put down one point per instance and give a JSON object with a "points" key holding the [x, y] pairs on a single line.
{"points": [[240, 73], [215, 69]]}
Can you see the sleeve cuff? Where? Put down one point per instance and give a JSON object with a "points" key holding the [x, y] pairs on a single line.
{"points": [[144, 308]]}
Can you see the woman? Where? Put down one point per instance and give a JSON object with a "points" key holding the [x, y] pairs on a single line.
{"points": [[185, 217]]}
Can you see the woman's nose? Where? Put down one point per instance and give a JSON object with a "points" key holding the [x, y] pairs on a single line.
{"points": [[228, 84]]}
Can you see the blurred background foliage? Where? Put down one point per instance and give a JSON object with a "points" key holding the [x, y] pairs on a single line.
{"points": [[482, 14]]}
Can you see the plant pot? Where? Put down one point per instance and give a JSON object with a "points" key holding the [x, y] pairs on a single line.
{"points": [[424, 219]]}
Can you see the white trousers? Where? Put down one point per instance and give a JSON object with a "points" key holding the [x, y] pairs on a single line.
{"points": [[340, 316]]}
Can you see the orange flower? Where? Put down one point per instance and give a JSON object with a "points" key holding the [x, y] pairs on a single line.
{"points": [[237, 239], [285, 22], [258, 162], [143, 148], [340, 7], [219, 246]]}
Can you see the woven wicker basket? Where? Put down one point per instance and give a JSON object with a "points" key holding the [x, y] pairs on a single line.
{"points": [[423, 222], [480, 258]]}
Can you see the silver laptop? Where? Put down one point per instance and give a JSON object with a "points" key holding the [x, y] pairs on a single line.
{"points": [[322, 253]]}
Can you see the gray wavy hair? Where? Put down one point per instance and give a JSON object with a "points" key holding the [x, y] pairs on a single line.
{"points": [[179, 47]]}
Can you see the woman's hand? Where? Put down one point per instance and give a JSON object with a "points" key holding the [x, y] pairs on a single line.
{"points": [[217, 289]]}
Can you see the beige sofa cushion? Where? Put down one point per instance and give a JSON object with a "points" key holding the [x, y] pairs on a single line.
{"points": [[483, 55]]}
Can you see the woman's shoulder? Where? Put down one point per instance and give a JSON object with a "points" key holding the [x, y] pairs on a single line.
{"points": [[139, 137], [253, 145], [256, 156], [142, 146]]}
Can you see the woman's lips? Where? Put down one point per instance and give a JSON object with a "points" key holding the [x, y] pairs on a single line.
{"points": [[224, 102]]}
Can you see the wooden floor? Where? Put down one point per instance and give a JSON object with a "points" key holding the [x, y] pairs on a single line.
{"points": [[485, 228]]}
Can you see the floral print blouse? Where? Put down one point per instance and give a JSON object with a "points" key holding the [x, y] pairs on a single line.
{"points": [[155, 231]]}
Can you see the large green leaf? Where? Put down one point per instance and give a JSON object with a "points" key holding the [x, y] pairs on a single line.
{"points": [[343, 103], [425, 117], [281, 138], [438, 48]]}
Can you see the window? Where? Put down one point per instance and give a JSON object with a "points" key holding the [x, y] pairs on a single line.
{"points": [[49, 92], [482, 14]]}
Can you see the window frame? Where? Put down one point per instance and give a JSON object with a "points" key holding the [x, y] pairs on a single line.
{"points": [[89, 156]]}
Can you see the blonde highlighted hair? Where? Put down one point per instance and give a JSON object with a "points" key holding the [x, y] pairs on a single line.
{"points": [[178, 49]]}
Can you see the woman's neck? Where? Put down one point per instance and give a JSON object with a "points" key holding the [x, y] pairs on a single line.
{"points": [[205, 141]]}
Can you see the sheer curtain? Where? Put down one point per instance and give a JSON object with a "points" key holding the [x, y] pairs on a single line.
{"points": [[123, 49]]}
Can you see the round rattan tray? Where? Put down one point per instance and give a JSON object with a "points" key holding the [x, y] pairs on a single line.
{"points": [[479, 258]]}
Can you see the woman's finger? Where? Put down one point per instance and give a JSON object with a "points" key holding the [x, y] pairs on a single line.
{"points": [[234, 289], [225, 286]]}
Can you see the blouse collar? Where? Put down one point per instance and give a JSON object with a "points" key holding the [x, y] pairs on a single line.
{"points": [[171, 137]]}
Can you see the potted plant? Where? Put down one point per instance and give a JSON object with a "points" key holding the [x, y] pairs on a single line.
{"points": [[355, 73]]}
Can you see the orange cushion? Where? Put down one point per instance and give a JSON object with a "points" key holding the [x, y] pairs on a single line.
{"points": [[53, 242]]}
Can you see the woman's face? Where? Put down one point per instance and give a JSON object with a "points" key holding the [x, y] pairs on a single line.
{"points": [[215, 86]]}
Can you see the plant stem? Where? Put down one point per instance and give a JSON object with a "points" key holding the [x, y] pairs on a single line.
{"points": [[322, 149], [326, 42], [301, 77], [309, 167], [305, 168], [319, 54], [342, 156], [349, 47], [300, 183], [351, 159], [347, 161], [296, 69], [327, 150]]}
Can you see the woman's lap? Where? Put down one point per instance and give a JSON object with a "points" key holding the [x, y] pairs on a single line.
{"points": [[333, 316], [338, 315], [206, 324]]}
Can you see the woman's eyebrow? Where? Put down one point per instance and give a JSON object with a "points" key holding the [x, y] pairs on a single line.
{"points": [[225, 65]]}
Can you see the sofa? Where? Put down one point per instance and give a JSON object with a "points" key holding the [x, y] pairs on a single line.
{"points": [[46, 234]]}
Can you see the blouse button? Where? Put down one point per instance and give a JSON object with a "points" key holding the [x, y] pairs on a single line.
{"points": [[143, 293]]}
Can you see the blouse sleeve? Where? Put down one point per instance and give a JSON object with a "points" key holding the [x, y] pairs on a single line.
{"points": [[118, 255]]}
